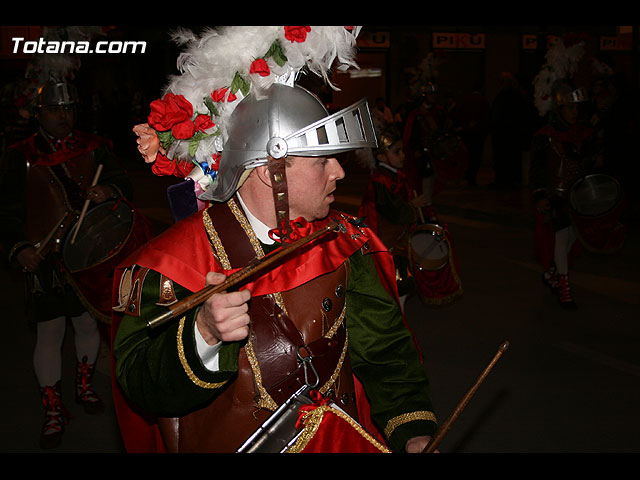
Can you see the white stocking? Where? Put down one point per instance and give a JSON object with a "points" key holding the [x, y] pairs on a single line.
{"points": [[47, 355], [563, 243], [87, 337]]}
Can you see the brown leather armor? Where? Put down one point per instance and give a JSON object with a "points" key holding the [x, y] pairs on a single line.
{"points": [[306, 321], [54, 196]]}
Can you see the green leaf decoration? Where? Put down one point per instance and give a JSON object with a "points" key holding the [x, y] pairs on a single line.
{"points": [[239, 83], [193, 145], [166, 138], [211, 106], [277, 53]]}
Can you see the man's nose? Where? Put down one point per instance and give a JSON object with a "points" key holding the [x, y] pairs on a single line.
{"points": [[336, 169]]}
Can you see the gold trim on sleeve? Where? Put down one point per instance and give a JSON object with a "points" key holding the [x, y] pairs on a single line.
{"points": [[185, 365], [395, 422]]}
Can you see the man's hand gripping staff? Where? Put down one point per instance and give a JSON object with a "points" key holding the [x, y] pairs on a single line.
{"points": [[225, 322]]}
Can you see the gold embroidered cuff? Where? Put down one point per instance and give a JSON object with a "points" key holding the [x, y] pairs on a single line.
{"points": [[185, 365], [395, 422]]}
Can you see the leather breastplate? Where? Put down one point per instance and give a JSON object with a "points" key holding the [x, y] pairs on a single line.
{"points": [[52, 192], [296, 337]]}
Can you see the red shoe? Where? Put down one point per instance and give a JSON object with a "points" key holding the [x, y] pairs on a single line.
{"points": [[84, 393], [564, 292], [56, 416]]}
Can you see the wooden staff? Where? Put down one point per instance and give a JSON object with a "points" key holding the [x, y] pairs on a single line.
{"points": [[86, 205], [199, 297], [444, 428]]}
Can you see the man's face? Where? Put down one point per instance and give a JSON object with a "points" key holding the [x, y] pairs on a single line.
{"points": [[57, 120], [311, 182], [569, 113]]}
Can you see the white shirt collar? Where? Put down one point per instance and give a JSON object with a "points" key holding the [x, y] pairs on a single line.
{"points": [[388, 167], [260, 229]]}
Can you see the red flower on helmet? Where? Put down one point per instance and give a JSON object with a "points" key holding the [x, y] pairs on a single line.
{"points": [[260, 67], [219, 95], [215, 164], [164, 166], [169, 111], [203, 122], [296, 34]]}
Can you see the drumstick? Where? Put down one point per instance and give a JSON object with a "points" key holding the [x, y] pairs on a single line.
{"points": [[86, 205], [199, 297], [415, 194], [444, 428], [43, 242]]}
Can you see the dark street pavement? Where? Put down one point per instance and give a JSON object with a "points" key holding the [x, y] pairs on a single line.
{"points": [[569, 382]]}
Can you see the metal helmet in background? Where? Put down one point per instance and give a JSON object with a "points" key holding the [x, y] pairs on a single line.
{"points": [[563, 94], [56, 93], [286, 121]]}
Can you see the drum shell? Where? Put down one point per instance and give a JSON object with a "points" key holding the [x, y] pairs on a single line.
{"points": [[597, 206], [428, 248], [595, 195], [94, 282]]}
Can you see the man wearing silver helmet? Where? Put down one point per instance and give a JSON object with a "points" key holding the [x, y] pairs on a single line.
{"points": [[562, 152], [324, 319], [44, 182]]}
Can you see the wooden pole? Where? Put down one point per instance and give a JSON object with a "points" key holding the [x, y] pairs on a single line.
{"points": [[86, 205], [446, 426]]}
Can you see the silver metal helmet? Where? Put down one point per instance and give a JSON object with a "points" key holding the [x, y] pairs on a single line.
{"points": [[286, 120], [56, 93], [564, 94]]}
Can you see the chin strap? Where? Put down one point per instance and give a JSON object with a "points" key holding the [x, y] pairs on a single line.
{"points": [[277, 170]]}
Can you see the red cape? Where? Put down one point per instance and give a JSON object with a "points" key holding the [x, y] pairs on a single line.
{"points": [[183, 253], [79, 144]]}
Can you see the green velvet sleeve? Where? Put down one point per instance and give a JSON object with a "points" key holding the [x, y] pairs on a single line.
{"points": [[159, 369], [385, 358]]}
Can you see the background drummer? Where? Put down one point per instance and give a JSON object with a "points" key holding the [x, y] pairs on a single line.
{"points": [[562, 152], [44, 182], [389, 205]]}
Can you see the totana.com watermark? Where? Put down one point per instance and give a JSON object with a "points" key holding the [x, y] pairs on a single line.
{"points": [[67, 46]]}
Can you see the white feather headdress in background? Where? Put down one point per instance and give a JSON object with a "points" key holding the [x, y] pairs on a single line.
{"points": [[561, 63]]}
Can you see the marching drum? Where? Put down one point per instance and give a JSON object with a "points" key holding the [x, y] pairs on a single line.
{"points": [[597, 206], [428, 248], [595, 195], [109, 232], [434, 265]]}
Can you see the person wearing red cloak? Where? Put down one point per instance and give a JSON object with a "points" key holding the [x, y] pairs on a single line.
{"points": [[326, 317]]}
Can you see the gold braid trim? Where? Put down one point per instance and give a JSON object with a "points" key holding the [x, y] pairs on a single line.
{"points": [[255, 243], [265, 400], [216, 244], [183, 360], [336, 324], [242, 220], [312, 422], [395, 422]]}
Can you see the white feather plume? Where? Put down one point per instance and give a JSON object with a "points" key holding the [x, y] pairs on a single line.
{"points": [[561, 63], [213, 59]]}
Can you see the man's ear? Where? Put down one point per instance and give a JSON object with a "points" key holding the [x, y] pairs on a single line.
{"points": [[262, 172]]}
